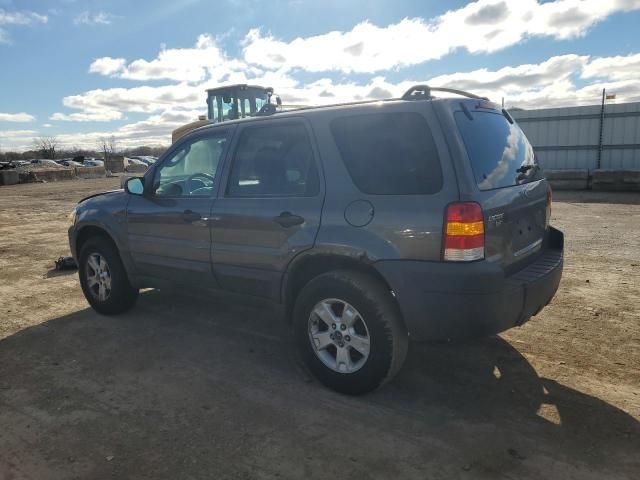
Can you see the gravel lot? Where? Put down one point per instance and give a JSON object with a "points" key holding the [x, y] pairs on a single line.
{"points": [[179, 388]]}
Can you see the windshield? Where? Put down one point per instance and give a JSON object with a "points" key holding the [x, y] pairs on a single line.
{"points": [[500, 154]]}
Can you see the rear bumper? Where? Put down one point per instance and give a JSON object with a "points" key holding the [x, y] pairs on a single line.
{"points": [[442, 300]]}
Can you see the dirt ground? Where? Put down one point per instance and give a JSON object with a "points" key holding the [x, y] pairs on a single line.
{"points": [[179, 388]]}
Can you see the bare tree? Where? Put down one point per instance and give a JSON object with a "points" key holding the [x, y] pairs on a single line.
{"points": [[108, 146], [46, 146]]}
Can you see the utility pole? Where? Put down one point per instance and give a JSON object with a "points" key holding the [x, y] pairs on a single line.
{"points": [[601, 130]]}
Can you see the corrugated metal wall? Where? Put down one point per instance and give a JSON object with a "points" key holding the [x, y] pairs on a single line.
{"points": [[569, 137]]}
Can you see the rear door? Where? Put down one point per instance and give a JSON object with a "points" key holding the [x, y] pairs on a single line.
{"points": [[269, 209], [507, 180], [390, 180]]}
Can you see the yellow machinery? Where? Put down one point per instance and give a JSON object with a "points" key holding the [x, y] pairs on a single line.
{"points": [[230, 103]]}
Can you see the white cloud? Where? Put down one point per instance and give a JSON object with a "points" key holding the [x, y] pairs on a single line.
{"points": [[618, 67], [554, 82], [484, 26], [88, 18], [17, 18], [21, 18], [481, 27], [155, 130], [558, 81], [109, 104], [87, 116], [202, 61], [47, 125], [15, 133], [546, 84], [513, 82], [16, 139], [158, 126], [16, 117], [107, 66]]}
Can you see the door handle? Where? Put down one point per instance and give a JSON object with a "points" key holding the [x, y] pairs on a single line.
{"points": [[287, 219], [190, 216]]}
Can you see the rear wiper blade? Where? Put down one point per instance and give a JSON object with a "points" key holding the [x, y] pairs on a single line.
{"points": [[526, 168], [466, 111]]}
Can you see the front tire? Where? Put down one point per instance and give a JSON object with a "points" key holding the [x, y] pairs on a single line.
{"points": [[349, 331], [103, 278]]}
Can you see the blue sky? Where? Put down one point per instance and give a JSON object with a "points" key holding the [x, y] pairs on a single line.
{"points": [[80, 70]]}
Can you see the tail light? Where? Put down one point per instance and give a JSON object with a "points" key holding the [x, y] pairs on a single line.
{"points": [[464, 232], [548, 212]]}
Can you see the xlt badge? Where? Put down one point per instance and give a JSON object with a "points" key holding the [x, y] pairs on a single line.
{"points": [[496, 219]]}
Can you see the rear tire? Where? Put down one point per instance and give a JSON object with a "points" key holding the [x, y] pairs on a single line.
{"points": [[103, 278], [369, 343]]}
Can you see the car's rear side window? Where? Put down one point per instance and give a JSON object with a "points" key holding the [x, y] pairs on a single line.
{"points": [[389, 153], [274, 160], [500, 154]]}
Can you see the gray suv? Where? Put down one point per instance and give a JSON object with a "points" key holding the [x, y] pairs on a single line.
{"points": [[370, 224]]}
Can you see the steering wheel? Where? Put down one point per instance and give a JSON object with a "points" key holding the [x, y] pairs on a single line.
{"points": [[188, 181]]}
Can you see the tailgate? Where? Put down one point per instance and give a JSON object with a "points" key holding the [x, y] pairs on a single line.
{"points": [[515, 222], [513, 196]]}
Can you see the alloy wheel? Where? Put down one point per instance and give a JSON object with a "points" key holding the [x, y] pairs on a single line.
{"points": [[339, 335], [98, 277]]}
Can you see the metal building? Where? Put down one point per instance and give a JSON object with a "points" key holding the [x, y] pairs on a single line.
{"points": [[584, 137]]}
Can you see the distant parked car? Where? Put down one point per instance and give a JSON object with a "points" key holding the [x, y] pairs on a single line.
{"points": [[134, 165], [93, 163], [147, 160], [135, 161], [43, 162], [71, 163]]}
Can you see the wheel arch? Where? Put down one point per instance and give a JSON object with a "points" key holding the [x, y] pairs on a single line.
{"points": [[89, 231], [306, 268]]}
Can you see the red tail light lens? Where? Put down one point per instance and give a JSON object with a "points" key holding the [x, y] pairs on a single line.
{"points": [[464, 232]]}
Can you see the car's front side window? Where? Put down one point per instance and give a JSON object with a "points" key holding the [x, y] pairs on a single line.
{"points": [[192, 169]]}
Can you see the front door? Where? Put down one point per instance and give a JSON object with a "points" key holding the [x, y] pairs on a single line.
{"points": [[269, 209], [168, 227]]}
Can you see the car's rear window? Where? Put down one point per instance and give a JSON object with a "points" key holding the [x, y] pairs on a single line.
{"points": [[500, 154], [389, 153]]}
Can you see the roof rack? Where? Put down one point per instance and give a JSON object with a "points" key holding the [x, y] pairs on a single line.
{"points": [[239, 86], [418, 92], [295, 108]]}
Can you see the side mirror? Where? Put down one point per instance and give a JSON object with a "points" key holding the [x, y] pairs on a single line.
{"points": [[134, 186], [278, 101]]}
